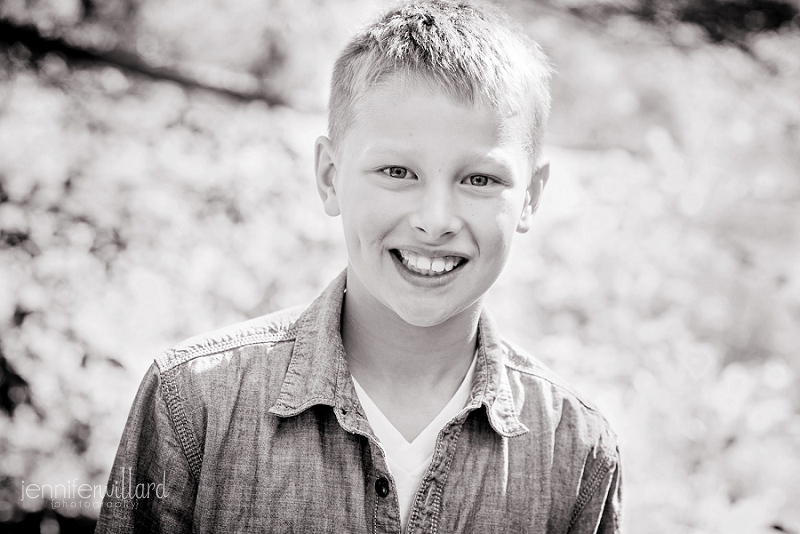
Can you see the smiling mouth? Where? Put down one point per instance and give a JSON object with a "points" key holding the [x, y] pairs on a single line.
{"points": [[427, 266]]}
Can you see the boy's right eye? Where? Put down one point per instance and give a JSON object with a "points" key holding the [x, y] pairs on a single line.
{"points": [[397, 172]]}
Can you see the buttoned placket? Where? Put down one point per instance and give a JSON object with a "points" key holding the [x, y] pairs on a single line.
{"points": [[383, 491], [386, 508], [427, 502], [426, 507]]}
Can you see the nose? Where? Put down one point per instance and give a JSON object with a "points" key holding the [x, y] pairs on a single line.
{"points": [[436, 214]]}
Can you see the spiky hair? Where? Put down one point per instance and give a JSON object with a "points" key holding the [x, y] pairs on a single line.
{"points": [[473, 54]]}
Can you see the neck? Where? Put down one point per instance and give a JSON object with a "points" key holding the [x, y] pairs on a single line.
{"points": [[381, 348]]}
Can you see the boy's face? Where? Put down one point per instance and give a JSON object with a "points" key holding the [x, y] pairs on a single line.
{"points": [[430, 191]]}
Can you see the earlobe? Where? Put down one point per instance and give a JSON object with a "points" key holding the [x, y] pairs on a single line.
{"points": [[532, 196], [325, 167]]}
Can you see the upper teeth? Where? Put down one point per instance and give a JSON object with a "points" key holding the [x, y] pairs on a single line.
{"points": [[430, 265]]}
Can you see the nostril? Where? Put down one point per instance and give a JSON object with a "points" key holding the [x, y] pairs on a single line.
{"points": [[436, 218]]}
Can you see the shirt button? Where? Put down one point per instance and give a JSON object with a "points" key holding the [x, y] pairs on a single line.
{"points": [[382, 487]]}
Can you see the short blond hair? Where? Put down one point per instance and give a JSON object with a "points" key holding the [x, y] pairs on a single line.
{"points": [[473, 54]]}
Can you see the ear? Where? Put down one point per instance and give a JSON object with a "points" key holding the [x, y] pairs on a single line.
{"points": [[533, 195], [325, 166]]}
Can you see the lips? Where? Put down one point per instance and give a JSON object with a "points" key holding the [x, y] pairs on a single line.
{"points": [[428, 265]]}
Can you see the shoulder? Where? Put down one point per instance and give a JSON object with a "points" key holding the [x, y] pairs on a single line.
{"points": [[265, 332], [208, 379], [545, 397]]}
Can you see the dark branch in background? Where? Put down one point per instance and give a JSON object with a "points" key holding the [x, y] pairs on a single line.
{"points": [[727, 22], [39, 46], [736, 21]]}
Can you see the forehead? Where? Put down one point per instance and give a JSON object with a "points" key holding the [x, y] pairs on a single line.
{"points": [[406, 109]]}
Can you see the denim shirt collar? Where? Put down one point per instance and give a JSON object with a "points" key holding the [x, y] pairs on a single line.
{"points": [[318, 373]]}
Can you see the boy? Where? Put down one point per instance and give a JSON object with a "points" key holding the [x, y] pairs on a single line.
{"points": [[391, 403]]}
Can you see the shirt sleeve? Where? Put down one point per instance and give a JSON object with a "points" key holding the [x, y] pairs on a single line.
{"points": [[600, 502], [151, 487]]}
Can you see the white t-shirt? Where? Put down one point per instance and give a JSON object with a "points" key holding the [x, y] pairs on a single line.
{"points": [[408, 462]]}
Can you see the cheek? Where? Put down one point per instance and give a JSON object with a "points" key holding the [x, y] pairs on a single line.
{"points": [[355, 211], [500, 226], [507, 211], [372, 210], [365, 223]]}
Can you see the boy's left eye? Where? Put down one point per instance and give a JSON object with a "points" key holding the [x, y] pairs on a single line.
{"points": [[478, 180]]}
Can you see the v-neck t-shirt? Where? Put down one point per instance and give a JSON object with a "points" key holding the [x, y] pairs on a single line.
{"points": [[408, 461]]}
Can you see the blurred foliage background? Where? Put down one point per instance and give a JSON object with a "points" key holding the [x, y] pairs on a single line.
{"points": [[156, 181]]}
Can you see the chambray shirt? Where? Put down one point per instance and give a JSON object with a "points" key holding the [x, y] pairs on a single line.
{"points": [[257, 428]]}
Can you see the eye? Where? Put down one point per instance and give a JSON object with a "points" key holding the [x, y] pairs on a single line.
{"points": [[398, 172], [478, 180]]}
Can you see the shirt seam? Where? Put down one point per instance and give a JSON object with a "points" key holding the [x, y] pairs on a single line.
{"points": [[589, 490], [557, 384], [172, 358], [181, 423]]}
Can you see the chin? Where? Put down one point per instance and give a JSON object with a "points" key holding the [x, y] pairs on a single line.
{"points": [[422, 322], [424, 317]]}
